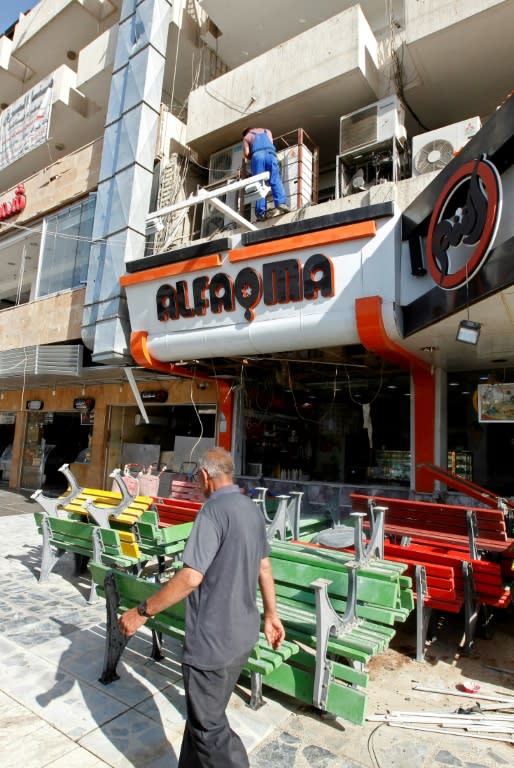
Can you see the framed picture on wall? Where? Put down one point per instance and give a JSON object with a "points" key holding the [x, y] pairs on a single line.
{"points": [[496, 402]]}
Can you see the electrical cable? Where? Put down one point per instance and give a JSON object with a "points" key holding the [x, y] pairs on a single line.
{"points": [[371, 747]]}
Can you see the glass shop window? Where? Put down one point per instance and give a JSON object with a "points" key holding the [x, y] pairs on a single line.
{"points": [[66, 248]]}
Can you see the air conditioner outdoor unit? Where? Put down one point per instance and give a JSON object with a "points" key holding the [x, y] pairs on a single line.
{"points": [[433, 150], [373, 125], [214, 221], [225, 162], [296, 164]]}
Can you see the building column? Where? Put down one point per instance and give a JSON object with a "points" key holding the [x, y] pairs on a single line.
{"points": [[126, 173]]}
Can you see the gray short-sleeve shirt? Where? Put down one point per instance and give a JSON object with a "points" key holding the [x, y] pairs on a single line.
{"points": [[227, 543]]}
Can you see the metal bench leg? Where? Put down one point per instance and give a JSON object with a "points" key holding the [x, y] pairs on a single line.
{"points": [[74, 487], [115, 640], [261, 503], [157, 654], [471, 607], [256, 698], [375, 547], [328, 622], [278, 526], [472, 528], [294, 512], [49, 556], [423, 613]]}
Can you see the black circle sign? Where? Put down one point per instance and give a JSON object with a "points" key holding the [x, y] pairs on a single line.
{"points": [[464, 224]]}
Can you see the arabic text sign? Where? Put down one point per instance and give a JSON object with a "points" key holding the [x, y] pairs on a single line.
{"points": [[24, 124]]}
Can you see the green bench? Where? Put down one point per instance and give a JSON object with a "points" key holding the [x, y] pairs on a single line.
{"points": [[166, 544], [116, 548], [123, 591], [342, 613], [338, 614]]}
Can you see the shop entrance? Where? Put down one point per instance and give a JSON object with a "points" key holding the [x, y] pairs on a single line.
{"points": [[7, 424], [166, 441], [51, 440]]}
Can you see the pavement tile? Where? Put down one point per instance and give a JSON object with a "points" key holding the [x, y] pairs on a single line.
{"points": [[135, 740], [25, 738]]}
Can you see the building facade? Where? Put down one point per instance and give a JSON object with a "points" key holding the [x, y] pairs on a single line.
{"points": [[319, 346]]}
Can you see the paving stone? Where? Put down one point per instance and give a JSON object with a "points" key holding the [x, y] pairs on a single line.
{"points": [[446, 758]]}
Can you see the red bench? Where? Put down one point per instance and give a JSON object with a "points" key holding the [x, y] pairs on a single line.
{"points": [[471, 528], [173, 511], [187, 490], [447, 576]]}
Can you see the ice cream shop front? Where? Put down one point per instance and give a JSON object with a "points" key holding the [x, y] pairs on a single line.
{"points": [[344, 346]]}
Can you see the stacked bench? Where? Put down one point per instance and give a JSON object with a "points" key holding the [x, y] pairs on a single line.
{"points": [[459, 557], [339, 611], [116, 529], [338, 614], [118, 549], [123, 591], [174, 511], [471, 528]]}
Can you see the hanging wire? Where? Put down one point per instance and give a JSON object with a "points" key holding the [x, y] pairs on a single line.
{"points": [[359, 402]]}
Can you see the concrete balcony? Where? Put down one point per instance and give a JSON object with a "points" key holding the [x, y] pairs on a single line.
{"points": [[309, 81], [46, 321], [94, 75], [69, 129], [238, 38], [462, 54], [56, 31]]}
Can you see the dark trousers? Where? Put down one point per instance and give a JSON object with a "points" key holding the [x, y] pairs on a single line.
{"points": [[209, 741]]}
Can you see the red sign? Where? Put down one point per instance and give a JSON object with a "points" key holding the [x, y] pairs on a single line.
{"points": [[16, 205], [464, 224]]}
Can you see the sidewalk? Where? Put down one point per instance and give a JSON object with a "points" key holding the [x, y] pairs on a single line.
{"points": [[54, 712]]}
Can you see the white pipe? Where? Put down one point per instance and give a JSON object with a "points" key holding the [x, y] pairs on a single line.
{"points": [[203, 195], [135, 391]]}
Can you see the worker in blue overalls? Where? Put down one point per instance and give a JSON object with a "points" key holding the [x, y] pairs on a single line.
{"points": [[258, 147]]}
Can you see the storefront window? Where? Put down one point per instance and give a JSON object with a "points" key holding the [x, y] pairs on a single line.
{"points": [[66, 248]]}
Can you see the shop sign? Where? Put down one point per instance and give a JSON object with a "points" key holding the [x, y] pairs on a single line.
{"points": [[280, 282], [84, 403], [157, 395], [464, 224], [24, 123], [16, 205]]}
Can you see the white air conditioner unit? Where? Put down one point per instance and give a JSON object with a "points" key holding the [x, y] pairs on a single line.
{"points": [[225, 163], [373, 125], [296, 166], [433, 150]]}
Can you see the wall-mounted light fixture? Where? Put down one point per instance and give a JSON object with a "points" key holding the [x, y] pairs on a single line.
{"points": [[468, 331]]}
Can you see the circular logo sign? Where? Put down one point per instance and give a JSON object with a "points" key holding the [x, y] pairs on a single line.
{"points": [[464, 224]]}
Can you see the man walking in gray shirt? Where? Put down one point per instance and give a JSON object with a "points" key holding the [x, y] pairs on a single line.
{"points": [[225, 557]]}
